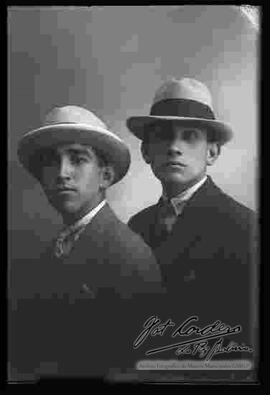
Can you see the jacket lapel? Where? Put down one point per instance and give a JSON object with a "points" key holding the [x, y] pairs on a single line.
{"points": [[90, 244], [86, 269]]}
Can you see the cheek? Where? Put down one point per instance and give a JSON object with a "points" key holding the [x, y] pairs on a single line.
{"points": [[199, 154], [47, 177], [89, 178], [157, 154]]}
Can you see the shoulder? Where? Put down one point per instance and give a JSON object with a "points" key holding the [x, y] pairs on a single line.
{"points": [[144, 216], [126, 238], [119, 238], [236, 212], [135, 258], [223, 214]]}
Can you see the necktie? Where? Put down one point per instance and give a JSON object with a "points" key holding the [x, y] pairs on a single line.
{"points": [[65, 242], [167, 216]]}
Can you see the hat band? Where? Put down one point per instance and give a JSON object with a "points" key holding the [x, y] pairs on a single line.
{"points": [[182, 108]]}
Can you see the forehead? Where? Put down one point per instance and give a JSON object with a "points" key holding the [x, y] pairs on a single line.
{"points": [[164, 131], [72, 148], [176, 127]]}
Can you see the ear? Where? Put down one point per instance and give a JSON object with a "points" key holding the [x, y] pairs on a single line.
{"points": [[213, 151], [144, 151], [108, 174]]}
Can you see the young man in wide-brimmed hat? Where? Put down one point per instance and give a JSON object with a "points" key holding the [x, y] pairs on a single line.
{"points": [[202, 238], [78, 301]]}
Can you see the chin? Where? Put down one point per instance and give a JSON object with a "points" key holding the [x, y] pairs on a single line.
{"points": [[173, 178], [65, 208]]}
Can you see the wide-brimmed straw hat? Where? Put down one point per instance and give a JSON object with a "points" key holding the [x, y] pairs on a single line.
{"points": [[73, 124], [186, 101]]}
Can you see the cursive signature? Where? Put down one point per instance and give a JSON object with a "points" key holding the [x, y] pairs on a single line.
{"points": [[153, 326]]}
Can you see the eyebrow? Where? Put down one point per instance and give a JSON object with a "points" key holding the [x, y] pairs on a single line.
{"points": [[192, 130], [79, 151]]}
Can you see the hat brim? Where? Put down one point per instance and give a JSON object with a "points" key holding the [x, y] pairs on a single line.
{"points": [[113, 148], [220, 131]]}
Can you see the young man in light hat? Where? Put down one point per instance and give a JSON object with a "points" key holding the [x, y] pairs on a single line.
{"points": [[76, 305], [202, 238]]}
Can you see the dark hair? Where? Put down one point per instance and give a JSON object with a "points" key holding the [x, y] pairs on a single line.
{"points": [[212, 138], [36, 163], [101, 157], [37, 160]]}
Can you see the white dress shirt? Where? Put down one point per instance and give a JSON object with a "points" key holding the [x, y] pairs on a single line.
{"points": [[68, 236], [179, 201]]}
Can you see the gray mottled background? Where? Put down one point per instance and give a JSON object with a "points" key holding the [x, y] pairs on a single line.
{"points": [[111, 60]]}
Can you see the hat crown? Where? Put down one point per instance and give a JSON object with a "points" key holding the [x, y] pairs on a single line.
{"points": [[186, 101], [186, 88], [73, 114]]}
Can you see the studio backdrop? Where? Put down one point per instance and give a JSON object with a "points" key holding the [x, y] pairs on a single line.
{"points": [[111, 60]]}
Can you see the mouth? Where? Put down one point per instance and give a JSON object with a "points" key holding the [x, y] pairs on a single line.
{"points": [[65, 190], [175, 164]]}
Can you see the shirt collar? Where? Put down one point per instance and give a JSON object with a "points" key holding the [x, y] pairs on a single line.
{"points": [[82, 222], [179, 200]]}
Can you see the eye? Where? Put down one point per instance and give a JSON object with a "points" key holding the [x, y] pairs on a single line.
{"points": [[77, 159], [190, 135]]}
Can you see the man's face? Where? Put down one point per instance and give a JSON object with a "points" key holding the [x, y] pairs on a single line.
{"points": [[178, 154], [72, 178]]}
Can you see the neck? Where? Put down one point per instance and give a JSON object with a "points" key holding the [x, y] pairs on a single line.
{"points": [[174, 189]]}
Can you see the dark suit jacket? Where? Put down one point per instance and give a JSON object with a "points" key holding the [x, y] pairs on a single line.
{"points": [[208, 261], [80, 315]]}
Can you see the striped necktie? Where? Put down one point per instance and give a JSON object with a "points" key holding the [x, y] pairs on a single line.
{"points": [[167, 216], [66, 240]]}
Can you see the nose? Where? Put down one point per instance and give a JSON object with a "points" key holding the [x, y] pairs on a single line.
{"points": [[65, 169], [174, 147]]}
